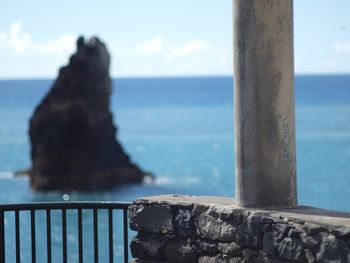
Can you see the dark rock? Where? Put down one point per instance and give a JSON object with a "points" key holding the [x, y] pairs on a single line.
{"points": [[200, 209], [281, 231], [231, 249], [268, 244], [333, 250], [180, 251], [214, 228], [249, 234], [341, 231], [310, 257], [148, 247], [311, 241], [313, 229], [294, 233], [207, 259], [229, 259], [156, 219], [146, 261], [318, 237], [72, 135], [205, 247], [184, 223], [267, 259], [264, 258], [249, 255], [347, 241], [262, 222], [220, 259], [291, 249]]}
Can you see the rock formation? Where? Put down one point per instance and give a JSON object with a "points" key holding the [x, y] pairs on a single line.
{"points": [[72, 135]]}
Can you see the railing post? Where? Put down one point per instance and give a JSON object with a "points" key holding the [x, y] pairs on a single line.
{"points": [[33, 234], [2, 236], [125, 234], [48, 235], [264, 103], [17, 237]]}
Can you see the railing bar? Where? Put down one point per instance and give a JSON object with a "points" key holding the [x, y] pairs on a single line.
{"points": [[2, 236], [47, 207], [80, 235], [95, 235], [126, 242], [67, 205], [64, 234], [48, 234], [32, 221], [110, 234], [18, 240]]}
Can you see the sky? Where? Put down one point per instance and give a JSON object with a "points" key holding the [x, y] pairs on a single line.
{"points": [[159, 38]]}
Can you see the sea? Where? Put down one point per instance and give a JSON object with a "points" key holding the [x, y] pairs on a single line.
{"points": [[181, 130]]}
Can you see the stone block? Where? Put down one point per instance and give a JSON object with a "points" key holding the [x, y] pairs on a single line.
{"points": [[249, 237], [184, 221], [148, 247], [249, 255], [151, 218], [333, 250], [268, 244], [232, 234], [212, 228], [291, 249], [220, 259], [264, 258], [310, 257], [206, 247], [180, 250], [281, 231], [231, 249]]}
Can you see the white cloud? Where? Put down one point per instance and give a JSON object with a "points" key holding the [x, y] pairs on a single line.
{"points": [[190, 48], [27, 56], [62, 45], [160, 57], [21, 43], [342, 47], [158, 46], [17, 39], [151, 47]]}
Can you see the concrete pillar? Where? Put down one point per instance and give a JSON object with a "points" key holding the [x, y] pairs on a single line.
{"points": [[264, 103]]}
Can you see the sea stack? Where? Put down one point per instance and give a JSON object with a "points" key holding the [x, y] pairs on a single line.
{"points": [[72, 135]]}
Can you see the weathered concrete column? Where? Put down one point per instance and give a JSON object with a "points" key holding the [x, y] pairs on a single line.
{"points": [[264, 103]]}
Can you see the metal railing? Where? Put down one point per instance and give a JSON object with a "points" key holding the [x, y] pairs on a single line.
{"points": [[77, 215]]}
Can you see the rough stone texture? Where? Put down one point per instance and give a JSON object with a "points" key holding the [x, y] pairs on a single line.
{"points": [[333, 249], [264, 103], [213, 228], [292, 249], [231, 249], [225, 233], [72, 135], [180, 250], [153, 219], [149, 247]]}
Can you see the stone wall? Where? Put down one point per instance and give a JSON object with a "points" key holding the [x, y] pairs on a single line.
{"points": [[212, 229]]}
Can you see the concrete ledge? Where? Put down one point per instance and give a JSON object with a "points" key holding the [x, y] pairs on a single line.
{"points": [[176, 228]]}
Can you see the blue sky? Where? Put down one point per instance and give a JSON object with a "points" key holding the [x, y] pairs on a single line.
{"points": [[159, 38]]}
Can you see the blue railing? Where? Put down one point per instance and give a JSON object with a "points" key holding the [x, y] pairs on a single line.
{"points": [[46, 225]]}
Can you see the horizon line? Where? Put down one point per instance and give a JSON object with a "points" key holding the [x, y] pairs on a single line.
{"points": [[171, 76]]}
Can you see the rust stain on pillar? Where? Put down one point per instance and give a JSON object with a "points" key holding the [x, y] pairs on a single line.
{"points": [[264, 103]]}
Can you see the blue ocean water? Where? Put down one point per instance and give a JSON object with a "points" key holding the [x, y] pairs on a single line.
{"points": [[181, 129]]}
